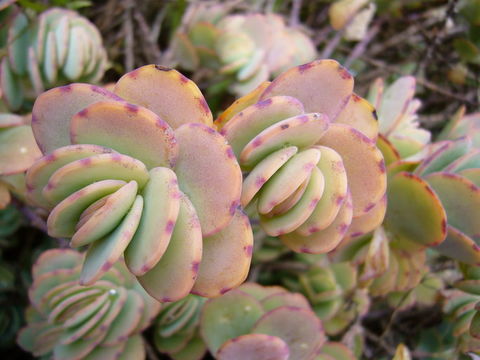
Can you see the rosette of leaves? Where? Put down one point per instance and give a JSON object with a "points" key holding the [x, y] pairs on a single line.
{"points": [[251, 47], [57, 47], [18, 151], [256, 322], [177, 329], [334, 295], [70, 321], [397, 115], [307, 145], [152, 181]]}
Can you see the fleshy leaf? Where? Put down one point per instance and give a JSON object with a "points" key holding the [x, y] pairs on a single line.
{"points": [[209, 175], [18, 150], [226, 258], [322, 86], [415, 214], [166, 92], [54, 109], [161, 205], [173, 276], [363, 162], [80, 173], [128, 129], [361, 115]]}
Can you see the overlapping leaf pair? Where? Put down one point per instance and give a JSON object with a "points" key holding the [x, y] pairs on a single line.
{"points": [[58, 47], [70, 321], [153, 181], [256, 322], [253, 47], [307, 143], [18, 151]]}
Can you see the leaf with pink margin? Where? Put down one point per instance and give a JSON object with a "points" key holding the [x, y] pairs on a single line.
{"points": [[161, 205], [166, 92], [249, 122], [241, 104], [228, 316], [415, 214], [173, 276], [460, 247], [254, 347], [39, 173], [361, 115], [264, 170], [324, 240], [471, 174], [194, 350], [18, 149], [151, 308], [322, 86], [209, 175], [106, 352], [226, 258], [461, 200], [368, 222], [337, 351], [287, 180], [64, 217], [334, 194], [80, 173], [129, 129], [103, 253], [300, 212], [366, 174], [299, 328], [54, 109], [389, 152], [102, 221], [301, 131]]}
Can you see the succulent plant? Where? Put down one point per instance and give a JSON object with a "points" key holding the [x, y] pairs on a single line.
{"points": [[56, 48], [257, 322], [18, 151], [153, 181], [397, 115], [402, 353], [177, 329], [252, 47], [70, 321], [307, 144], [332, 291]]}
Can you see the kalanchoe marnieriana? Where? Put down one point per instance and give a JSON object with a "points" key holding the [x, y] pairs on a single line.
{"points": [[57, 47], [153, 181], [463, 124], [333, 291], [252, 47], [397, 115], [177, 329], [308, 145], [69, 321], [352, 16], [256, 323], [18, 151]]}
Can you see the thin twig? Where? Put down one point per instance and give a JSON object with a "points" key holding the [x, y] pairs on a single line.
{"points": [[129, 62], [360, 48], [295, 13]]}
